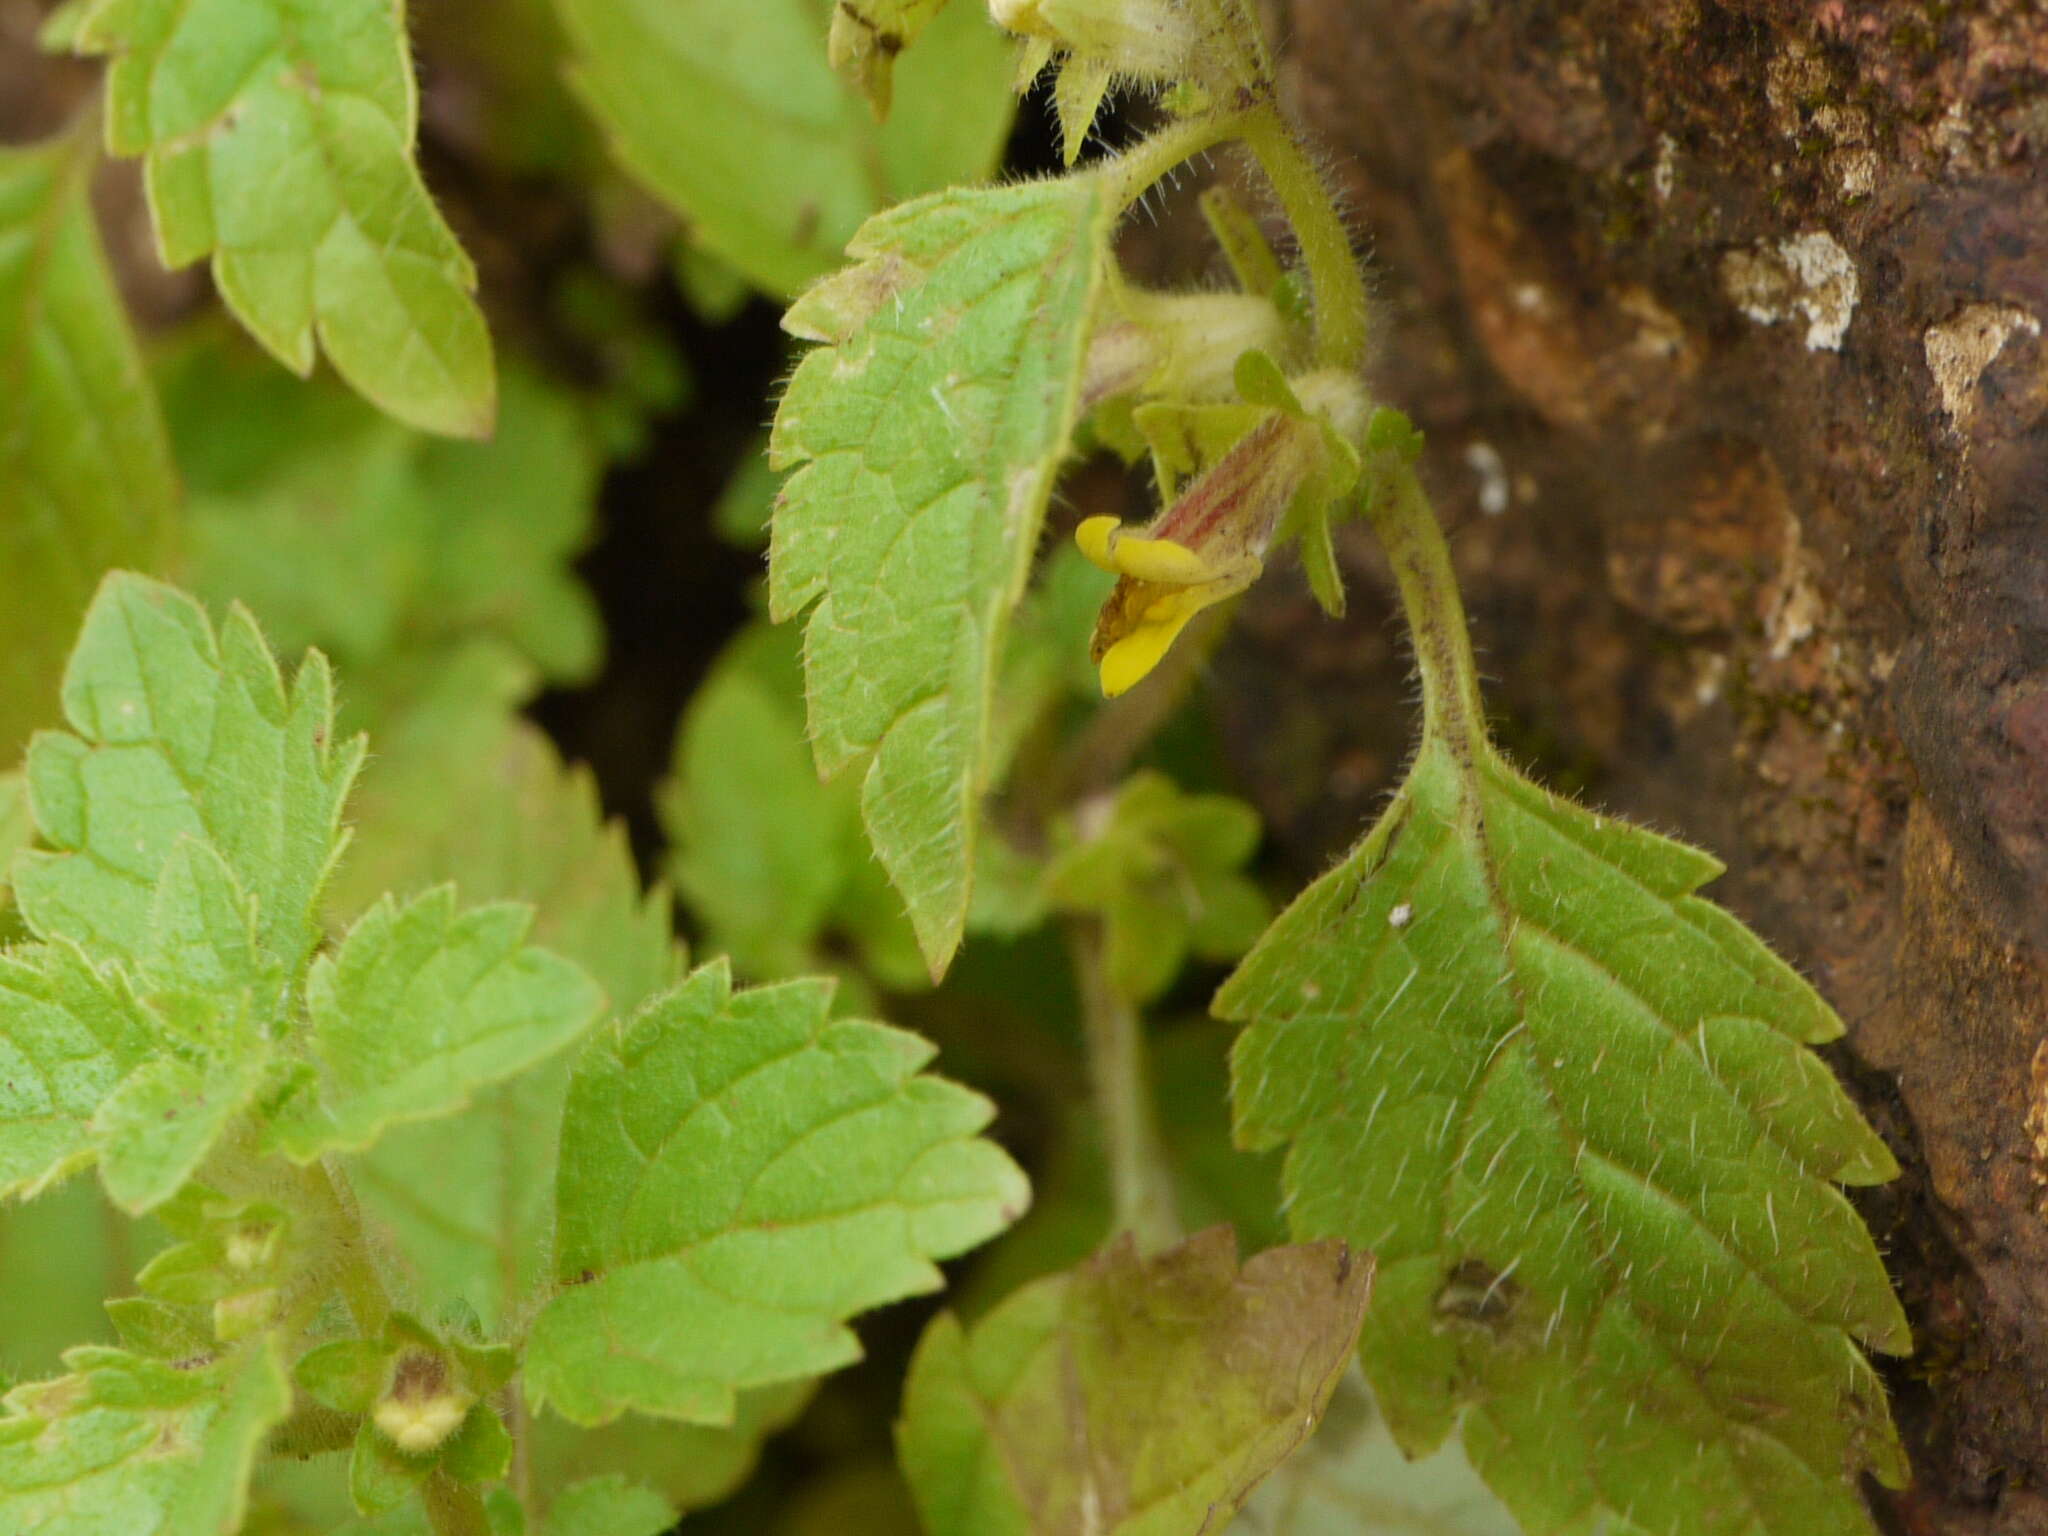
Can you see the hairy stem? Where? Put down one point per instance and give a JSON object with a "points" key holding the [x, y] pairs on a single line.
{"points": [[1407, 527], [334, 1208], [1140, 1178], [313, 1431], [522, 1446], [454, 1509], [1133, 173], [1333, 273]]}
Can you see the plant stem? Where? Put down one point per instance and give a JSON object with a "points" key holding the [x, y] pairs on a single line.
{"points": [[361, 1290], [1137, 169], [454, 1509], [313, 1431], [1407, 527], [1140, 1179], [1333, 274], [522, 1447]]}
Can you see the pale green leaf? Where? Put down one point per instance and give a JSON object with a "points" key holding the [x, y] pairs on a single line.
{"points": [[137, 1446], [929, 432], [342, 529], [420, 1007], [760, 849], [772, 861], [608, 1506], [1133, 1396], [180, 735], [1160, 869], [213, 995], [86, 479], [1567, 1103], [68, 1034], [728, 111], [464, 792], [1352, 1478], [157, 1127], [278, 138], [741, 1174]]}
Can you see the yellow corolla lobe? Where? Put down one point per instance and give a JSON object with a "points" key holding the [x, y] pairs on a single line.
{"points": [[1164, 586]]}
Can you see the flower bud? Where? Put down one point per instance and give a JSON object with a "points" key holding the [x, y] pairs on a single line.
{"points": [[1146, 39], [422, 1406]]}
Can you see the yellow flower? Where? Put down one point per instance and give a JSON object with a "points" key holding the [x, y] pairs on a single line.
{"points": [[1210, 544]]}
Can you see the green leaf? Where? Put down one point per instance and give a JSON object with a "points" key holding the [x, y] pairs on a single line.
{"points": [[740, 1174], [608, 1506], [463, 790], [690, 1465], [420, 1007], [1131, 1395], [729, 112], [743, 509], [1566, 1103], [86, 479], [180, 735], [1160, 869], [1352, 1477], [344, 1374], [929, 432], [58, 1254], [69, 1034], [759, 848], [138, 1446], [343, 529], [157, 1127], [769, 859], [279, 139]]}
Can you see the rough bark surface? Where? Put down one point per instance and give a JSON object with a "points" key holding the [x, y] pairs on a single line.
{"points": [[1725, 324]]}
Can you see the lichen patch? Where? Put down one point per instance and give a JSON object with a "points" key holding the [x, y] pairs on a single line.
{"points": [[1960, 349], [1807, 277]]}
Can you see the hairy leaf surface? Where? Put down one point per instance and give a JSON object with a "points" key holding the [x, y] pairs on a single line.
{"points": [[138, 1446], [68, 1035], [421, 1006], [145, 1024], [741, 1174], [278, 138], [86, 479], [1568, 1104], [182, 735], [729, 112], [1132, 1395], [929, 430]]}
